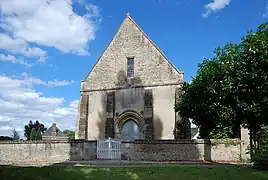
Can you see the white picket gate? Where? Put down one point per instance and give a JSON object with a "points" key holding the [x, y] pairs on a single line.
{"points": [[109, 149]]}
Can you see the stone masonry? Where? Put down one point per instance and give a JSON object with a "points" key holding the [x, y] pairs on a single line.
{"points": [[108, 94], [151, 65], [141, 150]]}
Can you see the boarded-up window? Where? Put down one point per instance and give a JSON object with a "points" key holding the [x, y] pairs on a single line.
{"points": [[130, 67]]}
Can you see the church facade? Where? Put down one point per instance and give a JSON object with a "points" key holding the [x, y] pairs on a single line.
{"points": [[131, 90]]}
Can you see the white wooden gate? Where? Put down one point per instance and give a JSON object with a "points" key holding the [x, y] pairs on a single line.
{"points": [[109, 149]]}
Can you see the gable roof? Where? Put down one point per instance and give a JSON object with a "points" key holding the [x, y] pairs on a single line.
{"points": [[128, 17], [59, 132]]}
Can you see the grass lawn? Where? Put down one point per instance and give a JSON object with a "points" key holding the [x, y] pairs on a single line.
{"points": [[131, 173]]}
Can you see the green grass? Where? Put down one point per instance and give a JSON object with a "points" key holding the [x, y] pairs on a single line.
{"points": [[131, 173]]}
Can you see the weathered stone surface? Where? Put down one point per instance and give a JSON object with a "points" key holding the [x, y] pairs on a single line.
{"points": [[83, 117], [110, 103], [148, 114], [109, 128], [129, 99], [153, 72], [110, 108], [151, 66], [182, 150], [148, 127], [47, 151], [96, 116], [163, 110], [149, 150]]}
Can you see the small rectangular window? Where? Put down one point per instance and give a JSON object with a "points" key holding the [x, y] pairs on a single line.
{"points": [[130, 67]]}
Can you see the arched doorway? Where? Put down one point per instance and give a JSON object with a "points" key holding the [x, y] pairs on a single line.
{"points": [[130, 130]]}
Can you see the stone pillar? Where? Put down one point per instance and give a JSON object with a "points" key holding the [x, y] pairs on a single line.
{"points": [[83, 118], [110, 108], [148, 114], [245, 143], [178, 120], [53, 131]]}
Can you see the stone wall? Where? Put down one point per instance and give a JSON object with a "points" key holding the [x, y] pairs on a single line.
{"points": [[156, 150], [183, 150], [107, 90], [155, 106], [150, 64], [46, 151]]}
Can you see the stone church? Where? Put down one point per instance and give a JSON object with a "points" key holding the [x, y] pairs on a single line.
{"points": [[131, 90]]}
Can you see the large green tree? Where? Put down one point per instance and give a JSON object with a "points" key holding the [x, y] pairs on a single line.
{"points": [[36, 129], [231, 88], [202, 100]]}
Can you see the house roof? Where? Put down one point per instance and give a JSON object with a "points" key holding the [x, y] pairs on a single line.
{"points": [[59, 132], [128, 17], [194, 132]]}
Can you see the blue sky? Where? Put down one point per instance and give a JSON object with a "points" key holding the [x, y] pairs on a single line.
{"points": [[48, 46]]}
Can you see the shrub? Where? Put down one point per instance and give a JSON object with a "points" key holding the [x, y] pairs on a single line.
{"points": [[221, 133], [260, 150]]}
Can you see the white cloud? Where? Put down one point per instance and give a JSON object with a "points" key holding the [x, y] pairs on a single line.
{"points": [[19, 46], [22, 103], [33, 80], [51, 23], [214, 6], [14, 60]]}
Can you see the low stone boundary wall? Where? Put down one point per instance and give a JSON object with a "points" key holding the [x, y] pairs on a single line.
{"points": [[183, 150], [154, 150], [47, 151]]}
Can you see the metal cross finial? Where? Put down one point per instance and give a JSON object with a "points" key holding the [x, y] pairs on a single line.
{"points": [[128, 14]]}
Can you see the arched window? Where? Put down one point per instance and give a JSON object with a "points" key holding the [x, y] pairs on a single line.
{"points": [[130, 130]]}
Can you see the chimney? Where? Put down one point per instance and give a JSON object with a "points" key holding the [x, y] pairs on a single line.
{"points": [[53, 131]]}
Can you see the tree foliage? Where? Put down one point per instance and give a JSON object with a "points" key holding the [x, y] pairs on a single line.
{"points": [[33, 131], [15, 135], [230, 89], [69, 133], [5, 138], [33, 134], [38, 135], [260, 150]]}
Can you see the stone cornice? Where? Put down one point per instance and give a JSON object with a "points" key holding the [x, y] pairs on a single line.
{"points": [[135, 86]]}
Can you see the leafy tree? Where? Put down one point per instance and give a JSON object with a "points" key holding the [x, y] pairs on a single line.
{"points": [[202, 100], [38, 135], [5, 138], [260, 151], [230, 89], [253, 85], [37, 126], [69, 133], [15, 135], [33, 134]]}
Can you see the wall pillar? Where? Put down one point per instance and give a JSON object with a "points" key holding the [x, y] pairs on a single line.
{"points": [[245, 143], [82, 126], [110, 108], [148, 114]]}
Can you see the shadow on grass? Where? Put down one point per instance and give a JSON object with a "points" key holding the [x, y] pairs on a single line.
{"points": [[131, 173], [67, 173]]}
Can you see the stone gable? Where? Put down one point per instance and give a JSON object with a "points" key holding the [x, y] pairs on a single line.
{"points": [[151, 67]]}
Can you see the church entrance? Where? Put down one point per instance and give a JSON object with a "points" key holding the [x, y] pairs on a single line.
{"points": [[130, 130]]}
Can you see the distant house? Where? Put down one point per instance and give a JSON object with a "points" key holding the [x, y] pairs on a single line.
{"points": [[54, 133]]}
